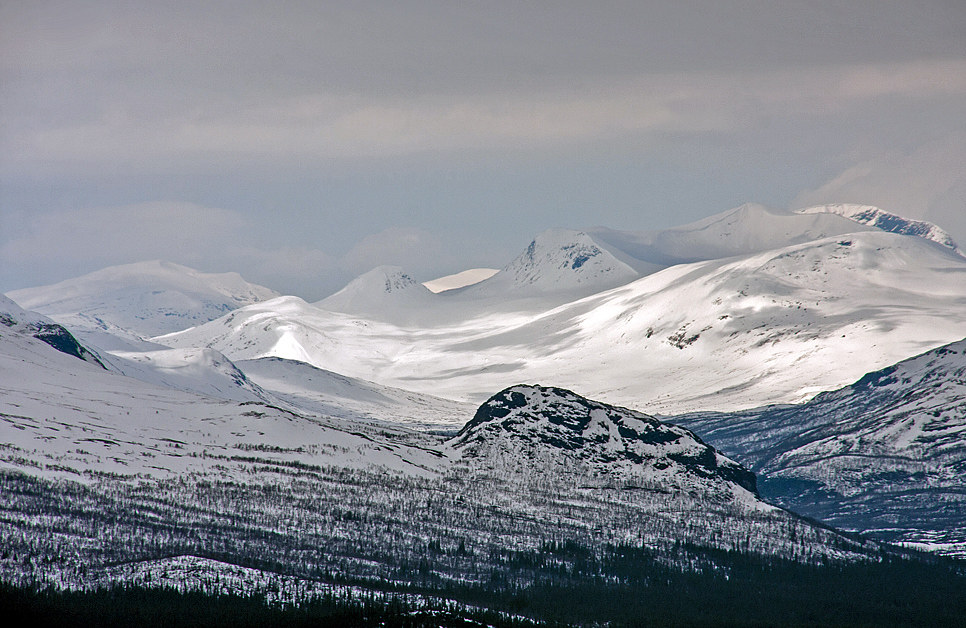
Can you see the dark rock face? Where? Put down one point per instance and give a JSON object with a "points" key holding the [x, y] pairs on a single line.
{"points": [[54, 335], [525, 423], [62, 340]]}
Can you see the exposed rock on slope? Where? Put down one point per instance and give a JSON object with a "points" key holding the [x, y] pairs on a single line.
{"points": [[534, 431], [17, 319], [887, 453], [875, 217]]}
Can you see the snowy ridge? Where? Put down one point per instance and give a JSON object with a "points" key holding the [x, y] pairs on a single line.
{"points": [[773, 327], [886, 453], [303, 386], [745, 230], [62, 418], [875, 217], [145, 299], [530, 432], [202, 371]]}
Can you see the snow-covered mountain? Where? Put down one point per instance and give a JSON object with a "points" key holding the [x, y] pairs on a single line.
{"points": [[530, 432], [17, 321], [203, 371], [557, 262], [98, 470], [383, 293], [875, 217], [745, 230], [120, 306], [309, 389], [887, 453], [773, 327], [70, 419]]}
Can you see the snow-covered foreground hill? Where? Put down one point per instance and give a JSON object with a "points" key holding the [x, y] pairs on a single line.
{"points": [[885, 454], [100, 469], [120, 306], [772, 327]]}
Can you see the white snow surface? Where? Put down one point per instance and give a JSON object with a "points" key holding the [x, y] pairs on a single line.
{"points": [[745, 230], [61, 417], [868, 215], [460, 279], [772, 327], [134, 301]]}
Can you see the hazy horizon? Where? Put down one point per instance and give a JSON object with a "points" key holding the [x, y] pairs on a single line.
{"points": [[305, 144]]}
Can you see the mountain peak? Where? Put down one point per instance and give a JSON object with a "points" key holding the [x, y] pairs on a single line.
{"points": [[145, 298], [385, 293], [560, 261], [875, 217], [529, 430]]}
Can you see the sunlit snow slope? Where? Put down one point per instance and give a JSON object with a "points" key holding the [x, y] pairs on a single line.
{"points": [[776, 326], [63, 417]]}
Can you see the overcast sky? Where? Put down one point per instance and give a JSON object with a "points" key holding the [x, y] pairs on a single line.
{"points": [[304, 143]]}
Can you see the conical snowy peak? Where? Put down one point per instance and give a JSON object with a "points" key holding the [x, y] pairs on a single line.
{"points": [[875, 217], [559, 261], [532, 430], [384, 293]]}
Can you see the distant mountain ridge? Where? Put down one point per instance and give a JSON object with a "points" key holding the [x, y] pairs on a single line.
{"points": [[129, 303], [776, 326], [875, 217]]}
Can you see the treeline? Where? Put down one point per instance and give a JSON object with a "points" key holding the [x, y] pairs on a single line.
{"points": [[139, 607], [635, 587], [627, 587]]}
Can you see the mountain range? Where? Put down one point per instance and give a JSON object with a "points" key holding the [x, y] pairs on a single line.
{"points": [[701, 388]]}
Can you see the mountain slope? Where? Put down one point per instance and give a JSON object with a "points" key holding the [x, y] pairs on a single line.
{"points": [[773, 327], [64, 418], [118, 306], [383, 293], [307, 388], [745, 230], [100, 470], [19, 321], [875, 217], [557, 262], [887, 453], [530, 432]]}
